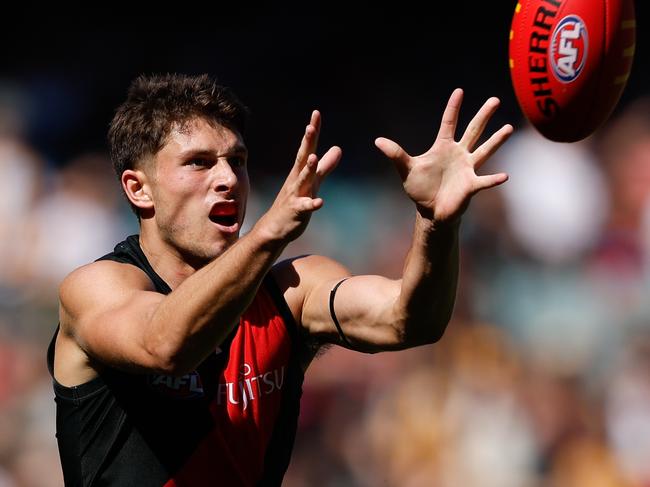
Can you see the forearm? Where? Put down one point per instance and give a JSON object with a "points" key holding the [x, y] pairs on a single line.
{"points": [[429, 281], [200, 313], [441, 182]]}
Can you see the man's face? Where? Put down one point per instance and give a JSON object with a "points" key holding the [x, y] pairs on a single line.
{"points": [[199, 189]]}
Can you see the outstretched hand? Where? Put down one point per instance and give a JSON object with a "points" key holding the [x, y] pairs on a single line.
{"points": [[298, 197], [442, 181]]}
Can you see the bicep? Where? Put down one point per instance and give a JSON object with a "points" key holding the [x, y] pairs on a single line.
{"points": [[105, 312], [364, 307]]}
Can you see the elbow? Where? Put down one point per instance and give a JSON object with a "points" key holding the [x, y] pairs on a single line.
{"points": [[437, 329], [416, 332], [168, 360], [172, 368], [436, 334], [421, 324]]}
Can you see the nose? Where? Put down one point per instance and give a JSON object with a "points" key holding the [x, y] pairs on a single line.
{"points": [[225, 178]]}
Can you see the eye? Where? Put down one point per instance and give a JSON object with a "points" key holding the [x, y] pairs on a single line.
{"points": [[199, 162], [237, 161]]}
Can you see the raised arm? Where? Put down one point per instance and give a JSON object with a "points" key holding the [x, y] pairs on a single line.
{"points": [[375, 313], [109, 314]]}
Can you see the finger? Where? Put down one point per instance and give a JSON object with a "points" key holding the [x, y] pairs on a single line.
{"points": [[315, 121], [394, 152], [328, 162], [309, 140], [305, 144], [479, 122], [490, 146], [450, 115], [489, 181], [306, 204], [306, 178]]}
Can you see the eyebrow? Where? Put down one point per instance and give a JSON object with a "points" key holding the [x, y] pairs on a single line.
{"points": [[238, 149]]}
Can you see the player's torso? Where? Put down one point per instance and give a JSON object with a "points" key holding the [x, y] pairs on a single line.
{"points": [[214, 426], [230, 422]]}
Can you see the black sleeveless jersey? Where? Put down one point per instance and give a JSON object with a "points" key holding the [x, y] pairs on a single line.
{"points": [[230, 422]]}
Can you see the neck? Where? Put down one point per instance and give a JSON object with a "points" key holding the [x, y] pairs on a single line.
{"points": [[168, 262]]}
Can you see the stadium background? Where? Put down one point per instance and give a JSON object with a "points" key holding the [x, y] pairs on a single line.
{"points": [[541, 379]]}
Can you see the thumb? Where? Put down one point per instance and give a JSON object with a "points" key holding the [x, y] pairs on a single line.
{"points": [[394, 152]]}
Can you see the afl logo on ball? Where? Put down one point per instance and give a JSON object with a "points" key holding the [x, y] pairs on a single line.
{"points": [[569, 45]]}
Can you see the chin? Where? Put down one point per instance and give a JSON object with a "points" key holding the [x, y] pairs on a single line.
{"points": [[199, 255], [214, 250]]}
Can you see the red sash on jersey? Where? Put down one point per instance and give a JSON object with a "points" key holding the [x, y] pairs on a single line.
{"points": [[247, 402]]}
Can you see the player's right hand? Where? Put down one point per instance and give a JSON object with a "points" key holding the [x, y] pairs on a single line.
{"points": [[297, 200]]}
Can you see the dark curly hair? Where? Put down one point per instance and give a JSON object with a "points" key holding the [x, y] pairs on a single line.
{"points": [[155, 104]]}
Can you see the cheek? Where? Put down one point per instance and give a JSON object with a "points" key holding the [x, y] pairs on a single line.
{"points": [[245, 187], [244, 191], [174, 199], [186, 186]]}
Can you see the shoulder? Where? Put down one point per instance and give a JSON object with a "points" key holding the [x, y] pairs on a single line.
{"points": [[299, 277], [104, 274], [309, 268], [100, 284]]}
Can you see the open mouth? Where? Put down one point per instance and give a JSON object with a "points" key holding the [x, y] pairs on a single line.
{"points": [[224, 214], [224, 220]]}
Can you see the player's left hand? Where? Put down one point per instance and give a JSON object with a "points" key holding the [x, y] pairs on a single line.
{"points": [[442, 181]]}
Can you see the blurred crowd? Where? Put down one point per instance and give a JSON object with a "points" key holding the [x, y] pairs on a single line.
{"points": [[543, 376]]}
